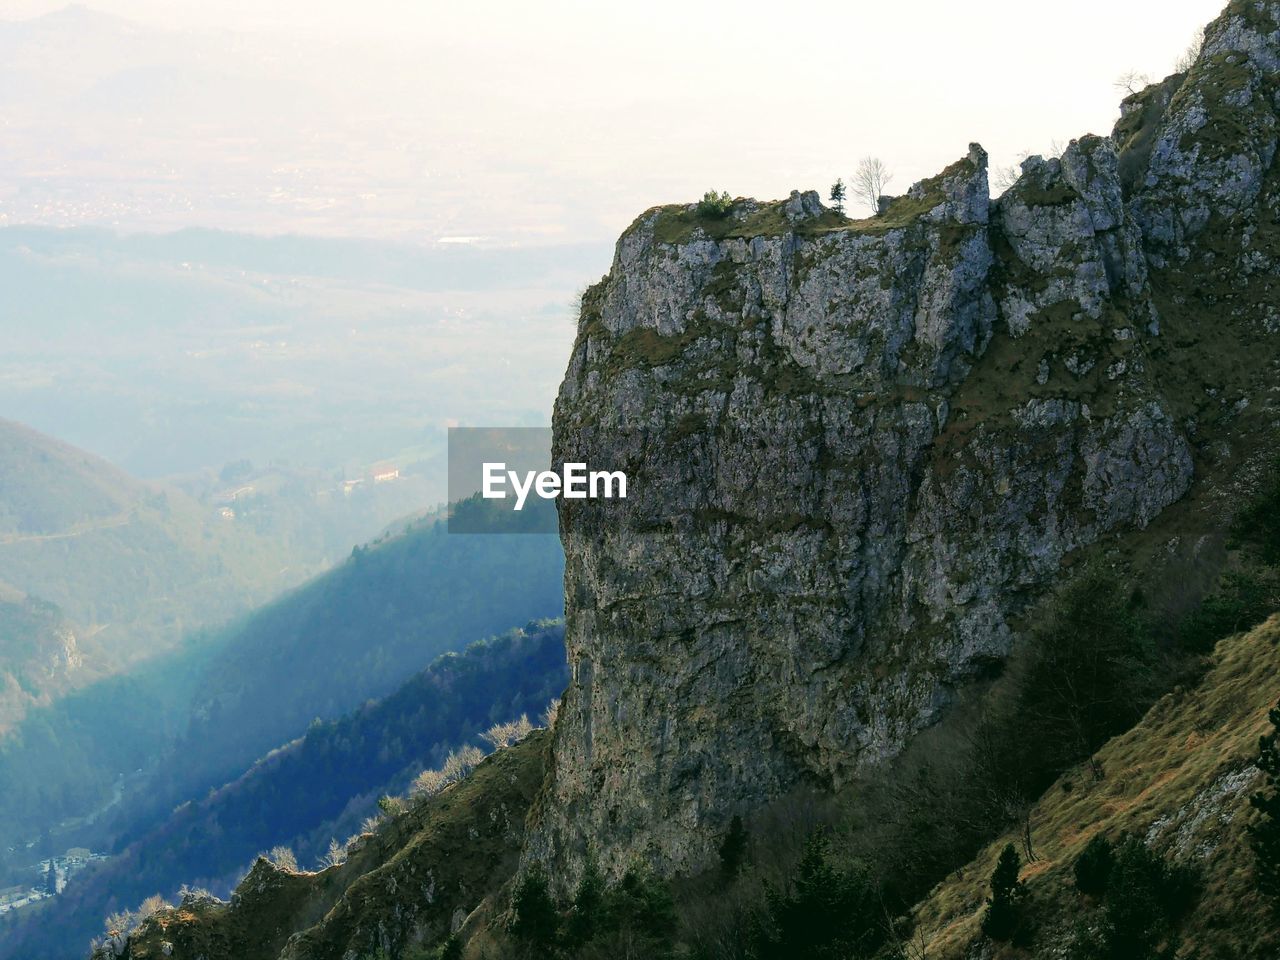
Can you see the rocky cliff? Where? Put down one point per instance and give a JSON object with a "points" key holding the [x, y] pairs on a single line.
{"points": [[856, 450]]}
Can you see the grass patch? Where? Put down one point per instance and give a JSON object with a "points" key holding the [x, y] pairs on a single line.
{"points": [[678, 223], [1228, 128], [644, 346], [911, 206], [681, 223], [1056, 194]]}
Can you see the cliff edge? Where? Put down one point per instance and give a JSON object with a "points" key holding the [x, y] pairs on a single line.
{"points": [[856, 450]]}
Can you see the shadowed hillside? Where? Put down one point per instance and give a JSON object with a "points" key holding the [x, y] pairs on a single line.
{"points": [[312, 791]]}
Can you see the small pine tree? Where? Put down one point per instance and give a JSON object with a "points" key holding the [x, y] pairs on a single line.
{"points": [[639, 910], [1146, 897], [1004, 907], [1132, 919], [1093, 866], [828, 913], [391, 807], [51, 880], [838, 194], [588, 902], [535, 920], [451, 949], [715, 206], [1264, 836], [733, 850]]}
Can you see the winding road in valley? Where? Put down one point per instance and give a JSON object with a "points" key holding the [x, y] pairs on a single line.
{"points": [[79, 530]]}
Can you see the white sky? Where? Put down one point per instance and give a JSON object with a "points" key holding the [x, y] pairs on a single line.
{"points": [[575, 116]]}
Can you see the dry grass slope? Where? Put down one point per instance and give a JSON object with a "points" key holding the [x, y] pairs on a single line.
{"points": [[1181, 778]]}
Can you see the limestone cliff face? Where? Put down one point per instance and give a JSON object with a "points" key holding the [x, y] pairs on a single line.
{"points": [[855, 450]]}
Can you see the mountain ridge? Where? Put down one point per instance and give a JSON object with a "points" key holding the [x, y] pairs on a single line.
{"points": [[314, 790], [869, 457]]}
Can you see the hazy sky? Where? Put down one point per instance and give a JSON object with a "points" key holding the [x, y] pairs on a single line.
{"points": [[547, 121]]}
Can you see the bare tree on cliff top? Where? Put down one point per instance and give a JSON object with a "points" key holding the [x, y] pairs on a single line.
{"points": [[1131, 81], [869, 182]]}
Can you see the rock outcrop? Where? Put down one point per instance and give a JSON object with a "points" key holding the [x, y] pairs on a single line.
{"points": [[857, 449]]}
